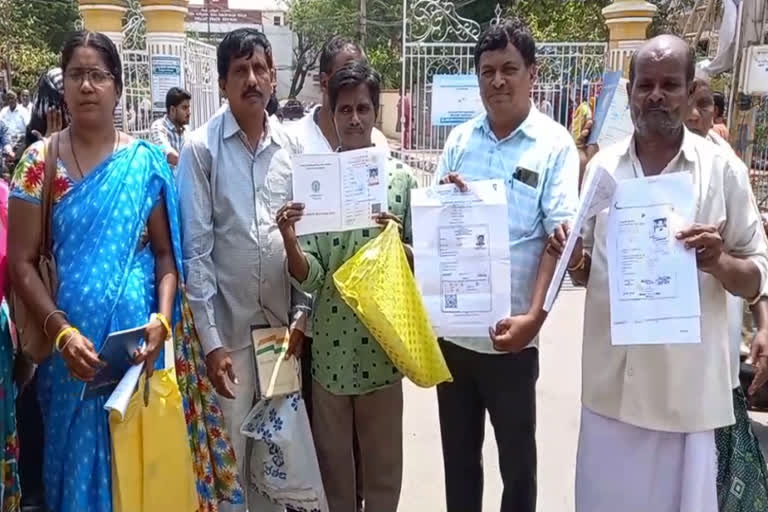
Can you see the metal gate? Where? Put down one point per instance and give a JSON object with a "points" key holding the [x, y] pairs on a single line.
{"points": [[200, 78], [436, 40], [758, 164]]}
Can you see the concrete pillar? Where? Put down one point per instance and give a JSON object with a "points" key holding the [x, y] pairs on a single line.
{"points": [[165, 22], [628, 22], [105, 16]]}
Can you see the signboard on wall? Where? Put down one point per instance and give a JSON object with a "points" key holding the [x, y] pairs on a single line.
{"points": [[166, 73], [218, 11], [455, 99]]}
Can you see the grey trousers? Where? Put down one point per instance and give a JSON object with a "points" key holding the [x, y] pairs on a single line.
{"points": [[376, 419]]}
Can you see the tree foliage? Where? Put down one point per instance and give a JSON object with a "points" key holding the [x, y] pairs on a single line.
{"points": [[31, 35]]}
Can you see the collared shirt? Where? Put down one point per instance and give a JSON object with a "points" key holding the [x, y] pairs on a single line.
{"points": [[167, 135], [234, 258], [346, 359], [673, 388], [15, 120], [539, 145], [314, 142]]}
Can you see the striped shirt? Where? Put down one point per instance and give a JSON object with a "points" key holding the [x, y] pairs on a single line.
{"points": [[546, 150], [168, 136]]}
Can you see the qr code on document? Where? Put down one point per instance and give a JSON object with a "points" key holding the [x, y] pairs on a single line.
{"points": [[376, 208], [451, 302]]}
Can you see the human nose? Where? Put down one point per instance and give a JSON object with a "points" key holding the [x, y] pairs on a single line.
{"points": [[355, 120], [498, 80]]}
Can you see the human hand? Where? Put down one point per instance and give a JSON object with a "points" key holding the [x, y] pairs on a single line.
{"points": [[155, 335], [53, 121], [586, 151], [383, 219], [81, 357], [457, 180], [759, 359], [707, 242], [295, 344], [172, 157], [514, 333], [287, 217], [557, 241], [219, 368]]}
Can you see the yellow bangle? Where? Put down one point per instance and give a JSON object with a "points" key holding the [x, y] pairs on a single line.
{"points": [[62, 333], [164, 320]]}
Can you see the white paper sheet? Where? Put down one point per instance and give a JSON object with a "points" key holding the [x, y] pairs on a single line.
{"points": [[118, 400], [654, 287], [613, 121], [595, 197], [340, 191], [461, 253]]}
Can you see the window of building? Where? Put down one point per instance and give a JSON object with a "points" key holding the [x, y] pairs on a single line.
{"points": [[278, 21]]}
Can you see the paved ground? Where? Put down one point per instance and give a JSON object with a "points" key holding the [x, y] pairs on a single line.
{"points": [[558, 424], [558, 394]]}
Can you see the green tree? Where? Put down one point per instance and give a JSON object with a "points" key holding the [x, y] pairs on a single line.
{"points": [[31, 35]]}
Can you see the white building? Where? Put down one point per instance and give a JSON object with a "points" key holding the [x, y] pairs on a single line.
{"points": [[217, 17]]}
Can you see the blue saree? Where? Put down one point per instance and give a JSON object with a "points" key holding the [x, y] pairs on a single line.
{"points": [[107, 283]]}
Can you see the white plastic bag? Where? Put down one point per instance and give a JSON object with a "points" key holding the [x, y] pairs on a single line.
{"points": [[283, 464]]}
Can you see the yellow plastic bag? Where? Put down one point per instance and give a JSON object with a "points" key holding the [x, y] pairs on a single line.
{"points": [[378, 285], [151, 459]]}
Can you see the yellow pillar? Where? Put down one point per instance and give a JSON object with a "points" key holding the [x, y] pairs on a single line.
{"points": [[628, 22], [104, 16], [164, 16]]}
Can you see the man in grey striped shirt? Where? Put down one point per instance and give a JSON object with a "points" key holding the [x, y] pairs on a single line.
{"points": [[168, 132]]}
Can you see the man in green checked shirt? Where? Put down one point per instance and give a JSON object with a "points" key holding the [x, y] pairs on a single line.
{"points": [[356, 391]]}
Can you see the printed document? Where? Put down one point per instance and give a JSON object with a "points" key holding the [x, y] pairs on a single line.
{"points": [[613, 122], [654, 286], [340, 191], [461, 253], [595, 197]]}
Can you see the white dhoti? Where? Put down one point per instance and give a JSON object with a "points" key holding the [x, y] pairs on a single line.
{"points": [[625, 468], [234, 412]]}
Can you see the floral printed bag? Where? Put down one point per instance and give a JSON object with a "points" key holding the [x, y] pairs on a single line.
{"points": [[283, 464]]}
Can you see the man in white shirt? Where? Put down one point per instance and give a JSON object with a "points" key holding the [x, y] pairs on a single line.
{"points": [[168, 132], [316, 130], [649, 411], [15, 118]]}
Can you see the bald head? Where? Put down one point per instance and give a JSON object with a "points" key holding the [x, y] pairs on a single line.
{"points": [[663, 48]]}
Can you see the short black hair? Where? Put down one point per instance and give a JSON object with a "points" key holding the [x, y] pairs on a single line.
{"points": [[103, 45], [239, 43], [335, 46], [175, 97], [690, 65], [353, 74], [498, 36], [719, 99]]}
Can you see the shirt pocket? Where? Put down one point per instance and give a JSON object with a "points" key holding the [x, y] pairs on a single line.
{"points": [[278, 188], [523, 209]]}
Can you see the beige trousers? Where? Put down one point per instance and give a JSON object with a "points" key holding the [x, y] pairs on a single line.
{"points": [[376, 419]]}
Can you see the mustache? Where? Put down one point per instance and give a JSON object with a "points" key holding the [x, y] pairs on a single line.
{"points": [[253, 90]]}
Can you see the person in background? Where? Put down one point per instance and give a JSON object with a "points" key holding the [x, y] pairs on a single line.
{"points": [[538, 161], [26, 100], [233, 174], [48, 114], [356, 391], [10, 497], [741, 464], [719, 122], [6, 150], [168, 132], [660, 454], [15, 118], [316, 130]]}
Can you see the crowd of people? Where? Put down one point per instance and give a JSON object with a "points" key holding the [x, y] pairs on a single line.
{"points": [[204, 221]]}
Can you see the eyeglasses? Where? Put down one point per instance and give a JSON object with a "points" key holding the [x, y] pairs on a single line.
{"points": [[96, 77]]}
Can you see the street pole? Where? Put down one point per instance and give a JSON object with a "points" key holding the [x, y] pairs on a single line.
{"points": [[363, 22]]}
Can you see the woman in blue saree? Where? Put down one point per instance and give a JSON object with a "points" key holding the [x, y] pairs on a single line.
{"points": [[117, 246]]}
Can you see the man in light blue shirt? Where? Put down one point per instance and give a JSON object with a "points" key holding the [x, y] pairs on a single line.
{"points": [[539, 163]]}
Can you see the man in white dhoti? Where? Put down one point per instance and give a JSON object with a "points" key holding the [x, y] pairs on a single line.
{"points": [[649, 411]]}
